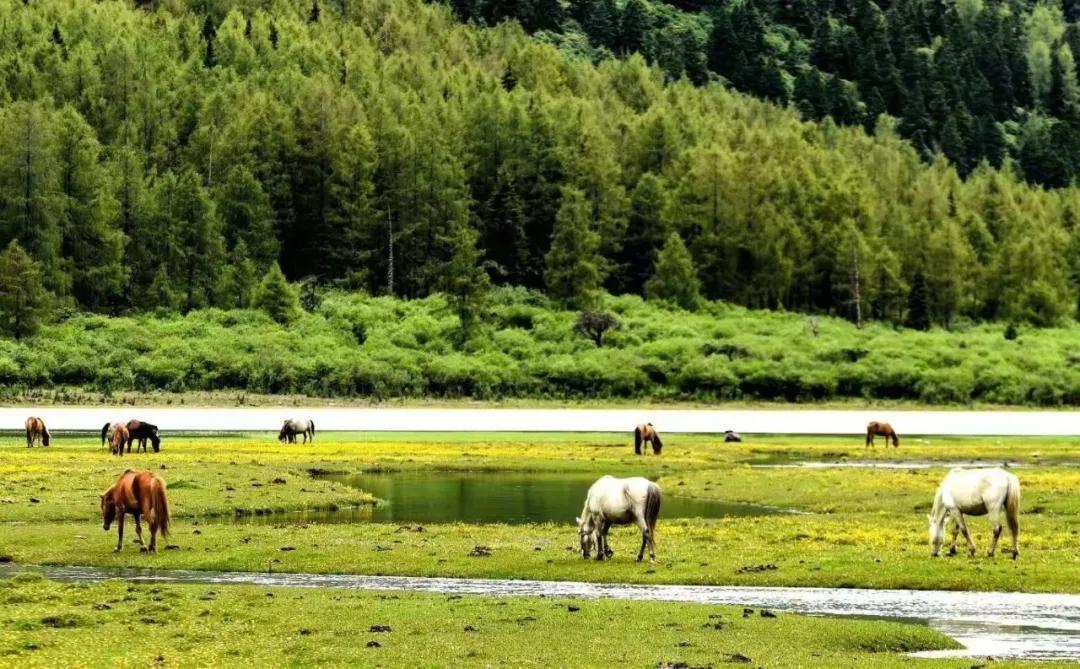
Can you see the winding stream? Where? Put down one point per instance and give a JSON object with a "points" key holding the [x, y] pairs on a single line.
{"points": [[997, 624]]}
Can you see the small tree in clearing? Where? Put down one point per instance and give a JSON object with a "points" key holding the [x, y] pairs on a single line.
{"points": [[595, 324]]}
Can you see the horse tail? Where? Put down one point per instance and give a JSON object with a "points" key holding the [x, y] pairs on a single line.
{"points": [[637, 440], [1012, 505], [104, 433], [160, 504], [652, 508], [311, 424]]}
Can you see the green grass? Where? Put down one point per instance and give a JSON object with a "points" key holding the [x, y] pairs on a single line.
{"points": [[47, 624], [861, 527]]}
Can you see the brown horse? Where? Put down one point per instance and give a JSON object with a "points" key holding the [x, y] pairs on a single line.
{"points": [[143, 431], [881, 430], [35, 429], [117, 434], [137, 493], [646, 432]]}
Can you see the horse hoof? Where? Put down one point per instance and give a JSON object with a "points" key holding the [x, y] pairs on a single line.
{"points": [[117, 549], [143, 549]]}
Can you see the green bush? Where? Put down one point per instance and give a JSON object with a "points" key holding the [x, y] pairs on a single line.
{"points": [[412, 348]]}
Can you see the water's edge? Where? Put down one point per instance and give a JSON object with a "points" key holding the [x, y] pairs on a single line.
{"points": [[998, 624]]}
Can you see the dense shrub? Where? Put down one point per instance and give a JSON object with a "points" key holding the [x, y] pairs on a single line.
{"points": [[412, 349]]}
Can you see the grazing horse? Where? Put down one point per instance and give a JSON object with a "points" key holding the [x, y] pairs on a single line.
{"points": [[976, 492], [619, 502], [137, 493], [295, 426], [732, 437], [117, 436], [646, 432], [35, 430], [143, 431], [881, 430]]}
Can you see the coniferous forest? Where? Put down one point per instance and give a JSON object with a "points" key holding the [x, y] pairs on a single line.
{"points": [[903, 162]]}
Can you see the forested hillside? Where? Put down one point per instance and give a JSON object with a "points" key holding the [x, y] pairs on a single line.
{"points": [[971, 79], [163, 157]]}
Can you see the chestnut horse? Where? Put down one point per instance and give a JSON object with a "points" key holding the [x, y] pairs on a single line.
{"points": [[117, 434], [881, 430], [137, 493], [35, 429], [143, 431], [646, 432]]}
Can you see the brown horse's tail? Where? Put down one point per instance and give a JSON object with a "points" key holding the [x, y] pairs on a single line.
{"points": [[160, 505], [652, 508], [104, 433]]}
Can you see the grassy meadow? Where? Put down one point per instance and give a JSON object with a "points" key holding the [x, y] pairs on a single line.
{"points": [[47, 624], [380, 349], [854, 528]]}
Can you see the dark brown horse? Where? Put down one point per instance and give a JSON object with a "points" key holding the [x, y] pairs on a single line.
{"points": [[646, 432], [117, 436], [35, 430], [881, 430], [143, 431], [137, 493]]}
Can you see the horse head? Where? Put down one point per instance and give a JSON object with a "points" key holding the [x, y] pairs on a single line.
{"points": [[586, 535], [937, 534], [283, 435], [108, 510], [155, 440]]}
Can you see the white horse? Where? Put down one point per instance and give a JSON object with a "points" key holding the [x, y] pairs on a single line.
{"points": [[295, 426], [976, 492], [619, 502]]}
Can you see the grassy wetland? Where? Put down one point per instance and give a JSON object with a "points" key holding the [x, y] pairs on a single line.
{"points": [[842, 527]]}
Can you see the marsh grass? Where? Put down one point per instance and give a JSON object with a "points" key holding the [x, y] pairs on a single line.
{"points": [[117, 624], [859, 527]]}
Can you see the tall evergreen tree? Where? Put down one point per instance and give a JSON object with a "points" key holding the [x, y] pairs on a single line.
{"points": [[675, 279], [23, 299], [918, 306], [276, 297], [574, 265]]}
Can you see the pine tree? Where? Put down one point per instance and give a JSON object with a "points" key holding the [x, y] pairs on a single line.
{"points": [[464, 281], [633, 27], [23, 299], [574, 264], [675, 279], [918, 315], [276, 297]]}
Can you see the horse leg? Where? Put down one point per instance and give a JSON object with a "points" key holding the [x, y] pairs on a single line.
{"points": [[967, 534], [138, 530], [995, 523], [955, 532], [1014, 531], [604, 532], [153, 535], [646, 540], [120, 531]]}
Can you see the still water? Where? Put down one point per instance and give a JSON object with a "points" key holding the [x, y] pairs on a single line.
{"points": [[491, 497]]}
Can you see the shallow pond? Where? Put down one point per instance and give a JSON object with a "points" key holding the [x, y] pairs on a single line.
{"points": [[490, 497], [998, 624]]}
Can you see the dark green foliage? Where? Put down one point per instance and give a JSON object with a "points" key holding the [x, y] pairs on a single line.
{"points": [[23, 299], [918, 310], [675, 279], [165, 168], [573, 270], [596, 324], [276, 297]]}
